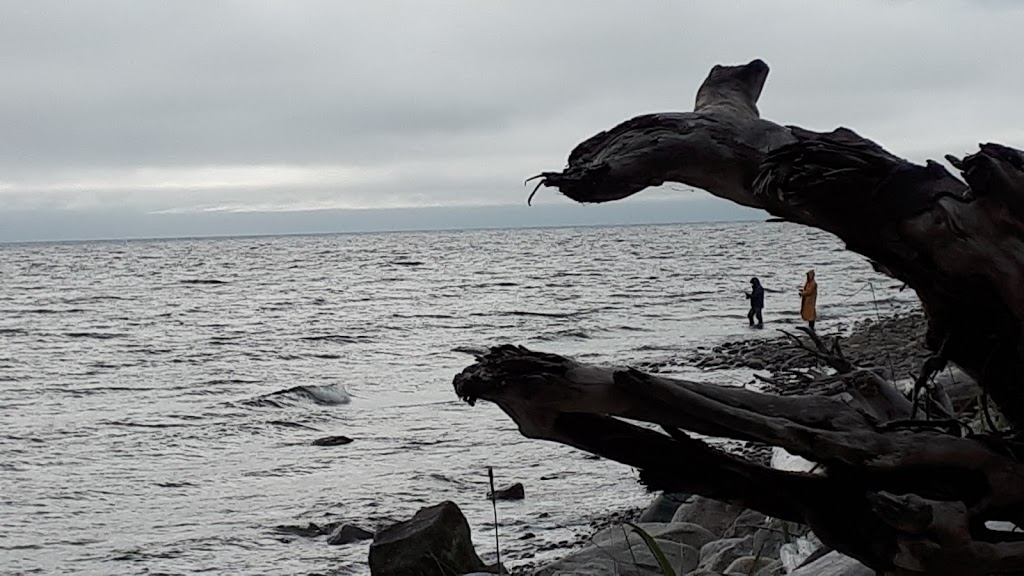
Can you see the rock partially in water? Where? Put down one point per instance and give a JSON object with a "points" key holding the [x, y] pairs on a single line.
{"points": [[513, 492], [434, 542], [347, 533], [308, 531], [332, 441], [663, 507]]}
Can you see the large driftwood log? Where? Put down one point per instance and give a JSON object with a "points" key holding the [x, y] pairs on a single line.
{"points": [[958, 243], [904, 496]]}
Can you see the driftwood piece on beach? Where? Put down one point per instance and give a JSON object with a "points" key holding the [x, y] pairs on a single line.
{"points": [[904, 496]]}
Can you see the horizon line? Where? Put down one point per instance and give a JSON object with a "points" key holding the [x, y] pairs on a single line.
{"points": [[767, 220]]}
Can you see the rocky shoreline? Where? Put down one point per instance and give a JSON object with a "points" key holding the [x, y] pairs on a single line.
{"points": [[893, 345], [698, 536]]}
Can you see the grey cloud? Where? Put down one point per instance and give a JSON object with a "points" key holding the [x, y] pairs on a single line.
{"points": [[113, 85]]}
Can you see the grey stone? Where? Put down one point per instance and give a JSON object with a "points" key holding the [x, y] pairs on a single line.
{"points": [[436, 536], [833, 564], [747, 522], [716, 516], [663, 508]]}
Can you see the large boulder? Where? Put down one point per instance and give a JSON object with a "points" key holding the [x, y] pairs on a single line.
{"points": [[747, 522], [435, 542], [714, 515], [718, 555], [833, 564]]}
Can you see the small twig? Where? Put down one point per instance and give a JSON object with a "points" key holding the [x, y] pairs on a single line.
{"points": [[494, 505], [931, 366], [985, 412], [881, 328]]}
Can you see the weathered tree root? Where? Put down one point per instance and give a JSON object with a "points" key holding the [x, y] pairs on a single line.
{"points": [[555, 398]]}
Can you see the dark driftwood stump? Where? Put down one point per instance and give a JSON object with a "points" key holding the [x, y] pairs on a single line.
{"points": [[902, 495]]}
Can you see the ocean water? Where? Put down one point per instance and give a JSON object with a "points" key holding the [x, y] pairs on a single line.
{"points": [[159, 399]]}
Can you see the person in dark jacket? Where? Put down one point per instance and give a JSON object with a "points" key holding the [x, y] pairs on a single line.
{"points": [[756, 296]]}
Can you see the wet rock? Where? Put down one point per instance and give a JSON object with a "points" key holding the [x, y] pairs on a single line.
{"points": [[663, 508], [513, 492], [308, 531], [713, 515], [436, 537], [332, 441], [347, 533]]}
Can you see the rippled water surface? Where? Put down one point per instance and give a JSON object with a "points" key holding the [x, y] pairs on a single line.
{"points": [[158, 399]]}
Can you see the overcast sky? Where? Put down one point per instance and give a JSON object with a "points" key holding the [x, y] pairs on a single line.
{"points": [[133, 112]]}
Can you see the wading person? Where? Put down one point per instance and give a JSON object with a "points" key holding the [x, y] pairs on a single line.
{"points": [[756, 297]]}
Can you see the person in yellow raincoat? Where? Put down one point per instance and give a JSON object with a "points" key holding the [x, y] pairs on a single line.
{"points": [[808, 300]]}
